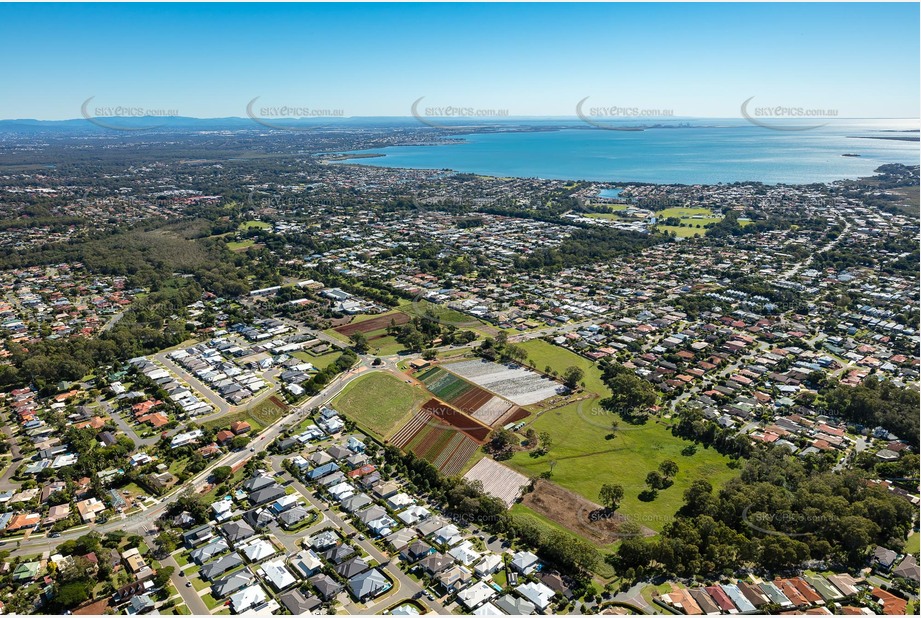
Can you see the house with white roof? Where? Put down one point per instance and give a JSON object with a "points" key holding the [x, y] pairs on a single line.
{"points": [[248, 598], [489, 564], [537, 593], [279, 577], [258, 550], [475, 595], [465, 553]]}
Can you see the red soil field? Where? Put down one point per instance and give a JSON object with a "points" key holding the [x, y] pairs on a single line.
{"points": [[458, 420], [381, 321]]}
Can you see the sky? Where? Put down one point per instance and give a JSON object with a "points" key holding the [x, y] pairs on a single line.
{"points": [[699, 60]]}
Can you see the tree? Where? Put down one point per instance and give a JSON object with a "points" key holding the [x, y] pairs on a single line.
{"points": [[221, 474], [630, 394], [359, 342], [655, 481], [239, 442], [611, 495], [669, 469], [545, 442], [572, 376], [167, 541], [161, 579], [72, 593]]}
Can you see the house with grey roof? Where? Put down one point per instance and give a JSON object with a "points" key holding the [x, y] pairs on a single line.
{"points": [[352, 567], [237, 531], [197, 536], [292, 517], [323, 540], [229, 584], [220, 566], [514, 606], [326, 586], [297, 603], [209, 550], [266, 494], [368, 585]]}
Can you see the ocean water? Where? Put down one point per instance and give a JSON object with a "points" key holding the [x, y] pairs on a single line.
{"points": [[707, 151]]}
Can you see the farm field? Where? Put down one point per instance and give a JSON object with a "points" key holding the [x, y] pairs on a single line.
{"points": [[378, 402], [465, 396], [515, 383], [498, 480], [445, 446]]}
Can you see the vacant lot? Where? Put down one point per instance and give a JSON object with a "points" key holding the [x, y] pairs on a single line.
{"points": [[320, 362], [585, 459], [585, 456], [367, 325], [379, 402], [579, 515]]}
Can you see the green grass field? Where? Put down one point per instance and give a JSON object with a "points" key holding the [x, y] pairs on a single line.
{"points": [[262, 414], [239, 245], [585, 458], [687, 217], [378, 402], [448, 317], [544, 353], [320, 362], [259, 225], [913, 544], [681, 232]]}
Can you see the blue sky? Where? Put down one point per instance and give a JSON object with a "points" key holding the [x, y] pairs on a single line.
{"points": [[210, 60]]}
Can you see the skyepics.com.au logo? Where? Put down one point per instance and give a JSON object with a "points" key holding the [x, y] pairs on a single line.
{"points": [[591, 412], [618, 117], [786, 523], [125, 117], [450, 419], [785, 117], [452, 116], [297, 117]]}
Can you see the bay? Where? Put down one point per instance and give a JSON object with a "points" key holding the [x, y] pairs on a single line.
{"points": [[702, 152]]}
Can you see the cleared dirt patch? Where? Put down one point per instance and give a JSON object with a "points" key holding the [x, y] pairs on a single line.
{"points": [[579, 515], [366, 326]]}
